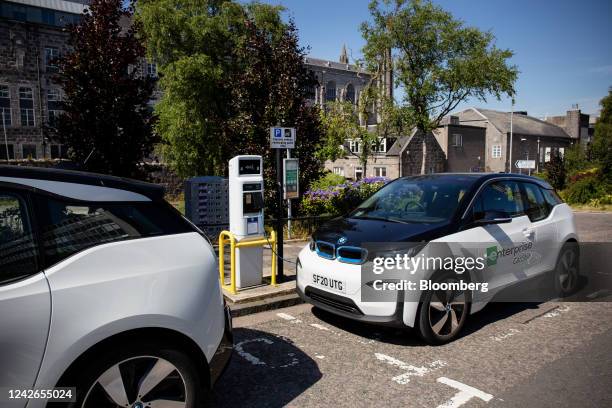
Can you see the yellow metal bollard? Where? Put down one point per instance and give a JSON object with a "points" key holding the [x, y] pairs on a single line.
{"points": [[224, 236]]}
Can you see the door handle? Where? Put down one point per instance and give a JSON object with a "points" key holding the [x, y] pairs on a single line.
{"points": [[529, 234]]}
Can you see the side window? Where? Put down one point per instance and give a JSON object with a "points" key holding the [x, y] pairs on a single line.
{"points": [[17, 246], [69, 227], [501, 196], [551, 197], [537, 209]]}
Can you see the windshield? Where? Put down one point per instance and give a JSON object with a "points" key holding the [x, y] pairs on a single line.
{"points": [[416, 200]]}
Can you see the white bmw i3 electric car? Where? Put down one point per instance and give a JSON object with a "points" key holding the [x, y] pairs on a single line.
{"points": [[514, 227], [106, 290]]}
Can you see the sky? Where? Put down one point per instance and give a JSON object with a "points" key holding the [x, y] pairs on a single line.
{"points": [[563, 49]]}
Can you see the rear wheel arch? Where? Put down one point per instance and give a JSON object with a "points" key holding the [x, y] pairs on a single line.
{"points": [[159, 336]]}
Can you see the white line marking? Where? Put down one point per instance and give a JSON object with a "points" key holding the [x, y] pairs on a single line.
{"points": [[465, 393], [502, 337], [411, 370], [288, 317], [319, 326], [248, 356], [319, 356]]}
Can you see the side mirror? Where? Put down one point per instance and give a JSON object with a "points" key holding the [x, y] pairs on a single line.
{"points": [[493, 217]]}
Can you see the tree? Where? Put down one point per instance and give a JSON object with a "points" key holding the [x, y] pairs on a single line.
{"points": [[601, 148], [228, 72], [342, 125], [438, 62], [106, 122], [555, 171]]}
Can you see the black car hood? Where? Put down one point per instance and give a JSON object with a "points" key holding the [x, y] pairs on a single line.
{"points": [[358, 231]]}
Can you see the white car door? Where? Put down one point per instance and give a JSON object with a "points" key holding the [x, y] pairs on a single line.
{"points": [[543, 232], [25, 302], [498, 242]]}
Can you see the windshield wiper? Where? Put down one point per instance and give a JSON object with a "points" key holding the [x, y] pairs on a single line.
{"points": [[365, 217]]}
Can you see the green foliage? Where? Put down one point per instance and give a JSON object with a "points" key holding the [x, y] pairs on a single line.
{"points": [[106, 120], [584, 190], [228, 71], [437, 60], [339, 199], [602, 140], [326, 181], [575, 159]]}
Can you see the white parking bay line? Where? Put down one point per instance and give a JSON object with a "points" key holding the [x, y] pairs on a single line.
{"points": [[411, 371], [319, 326], [288, 317], [465, 393]]}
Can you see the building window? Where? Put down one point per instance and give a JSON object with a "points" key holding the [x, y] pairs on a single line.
{"points": [[380, 171], [457, 140], [497, 151], [311, 92], [5, 106], [330, 91], [152, 69], [355, 146], [358, 173], [29, 151], [26, 106], [54, 98], [51, 55], [7, 149], [58, 152], [350, 93], [380, 146], [339, 171], [48, 16]]}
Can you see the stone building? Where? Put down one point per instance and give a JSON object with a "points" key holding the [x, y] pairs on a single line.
{"points": [[31, 38], [478, 139]]}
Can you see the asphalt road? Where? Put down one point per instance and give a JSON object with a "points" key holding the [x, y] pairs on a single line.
{"points": [[553, 354]]}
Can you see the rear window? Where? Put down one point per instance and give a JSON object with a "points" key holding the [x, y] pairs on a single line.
{"points": [[68, 227], [551, 197]]}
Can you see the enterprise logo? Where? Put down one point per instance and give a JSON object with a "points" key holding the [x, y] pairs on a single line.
{"points": [[493, 253]]}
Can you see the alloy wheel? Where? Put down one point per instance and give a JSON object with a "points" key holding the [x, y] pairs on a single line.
{"points": [[568, 271], [446, 310], [138, 382]]}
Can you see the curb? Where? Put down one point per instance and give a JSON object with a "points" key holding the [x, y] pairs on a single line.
{"points": [[243, 309]]}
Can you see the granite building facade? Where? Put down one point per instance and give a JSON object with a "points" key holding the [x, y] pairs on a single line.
{"points": [[31, 37]]}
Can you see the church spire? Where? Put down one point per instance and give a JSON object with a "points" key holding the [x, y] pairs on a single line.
{"points": [[344, 56]]}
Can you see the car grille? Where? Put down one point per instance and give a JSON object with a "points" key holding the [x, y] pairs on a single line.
{"points": [[346, 254], [335, 301]]}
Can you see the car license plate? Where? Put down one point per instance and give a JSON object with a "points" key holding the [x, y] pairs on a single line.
{"points": [[329, 283]]}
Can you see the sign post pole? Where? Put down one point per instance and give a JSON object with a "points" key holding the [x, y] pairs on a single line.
{"points": [[279, 217], [280, 138]]}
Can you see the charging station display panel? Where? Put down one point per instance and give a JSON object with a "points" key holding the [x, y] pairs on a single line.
{"points": [[248, 167]]}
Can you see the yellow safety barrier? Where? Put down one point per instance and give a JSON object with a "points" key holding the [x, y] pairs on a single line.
{"points": [[226, 236]]}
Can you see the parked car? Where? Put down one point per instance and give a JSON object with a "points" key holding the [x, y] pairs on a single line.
{"points": [[496, 212], [107, 288]]}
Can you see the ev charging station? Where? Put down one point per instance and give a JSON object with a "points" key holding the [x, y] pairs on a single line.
{"points": [[246, 216]]}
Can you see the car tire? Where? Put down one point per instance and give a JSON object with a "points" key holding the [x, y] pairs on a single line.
{"points": [[442, 315], [160, 372], [566, 274]]}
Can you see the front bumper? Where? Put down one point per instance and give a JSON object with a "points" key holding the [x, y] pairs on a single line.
{"points": [[221, 358], [346, 307]]}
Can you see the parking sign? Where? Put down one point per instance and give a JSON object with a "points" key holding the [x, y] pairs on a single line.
{"points": [[282, 138]]}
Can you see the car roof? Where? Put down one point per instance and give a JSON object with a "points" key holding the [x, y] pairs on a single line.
{"points": [[152, 191], [483, 177]]}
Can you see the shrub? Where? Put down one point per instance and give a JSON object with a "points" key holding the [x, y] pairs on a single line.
{"points": [[341, 198], [584, 187], [326, 181], [555, 172]]}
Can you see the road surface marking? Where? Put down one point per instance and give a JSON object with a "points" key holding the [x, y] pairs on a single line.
{"points": [[502, 337], [319, 326], [248, 356], [288, 317], [411, 371], [465, 393]]}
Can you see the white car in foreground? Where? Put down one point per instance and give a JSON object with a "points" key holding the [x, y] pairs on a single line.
{"points": [[106, 288], [514, 226]]}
